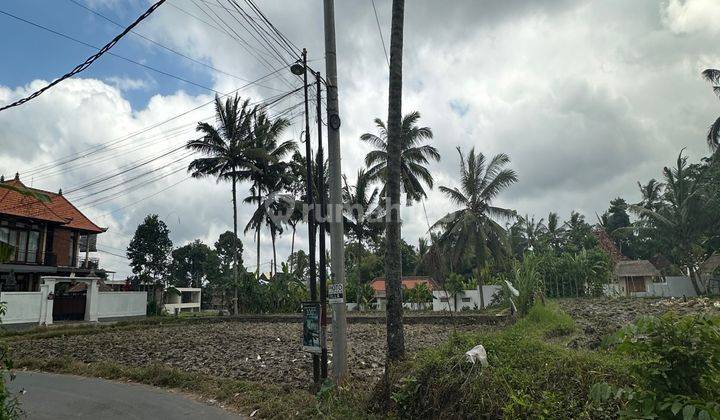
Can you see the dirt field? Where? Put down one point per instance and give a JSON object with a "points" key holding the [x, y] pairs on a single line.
{"points": [[255, 351], [270, 351]]}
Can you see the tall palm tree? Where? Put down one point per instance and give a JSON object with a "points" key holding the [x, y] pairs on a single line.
{"points": [[554, 232], [713, 136], [393, 164], [474, 225], [270, 174], [227, 152], [362, 210], [651, 194], [683, 222], [414, 156]]}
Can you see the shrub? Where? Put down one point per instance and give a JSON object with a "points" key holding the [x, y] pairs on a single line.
{"points": [[676, 369]]}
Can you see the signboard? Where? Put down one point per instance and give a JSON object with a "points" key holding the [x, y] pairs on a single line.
{"points": [[311, 327], [336, 293]]}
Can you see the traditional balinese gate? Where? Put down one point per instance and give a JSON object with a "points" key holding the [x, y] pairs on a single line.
{"points": [[70, 306]]}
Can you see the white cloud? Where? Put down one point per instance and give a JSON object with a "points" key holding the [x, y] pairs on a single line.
{"points": [[586, 97], [687, 16], [126, 83]]}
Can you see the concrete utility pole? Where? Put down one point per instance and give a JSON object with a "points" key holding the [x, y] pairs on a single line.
{"points": [[321, 225], [337, 245]]}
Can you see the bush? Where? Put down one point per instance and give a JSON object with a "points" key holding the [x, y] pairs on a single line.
{"points": [[527, 377], [676, 370]]}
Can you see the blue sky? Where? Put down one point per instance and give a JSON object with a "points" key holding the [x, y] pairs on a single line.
{"points": [[32, 53], [587, 97]]}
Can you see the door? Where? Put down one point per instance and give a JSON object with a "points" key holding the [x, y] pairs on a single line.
{"points": [[69, 306]]}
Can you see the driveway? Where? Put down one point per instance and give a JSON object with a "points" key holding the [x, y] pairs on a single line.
{"points": [[50, 396]]}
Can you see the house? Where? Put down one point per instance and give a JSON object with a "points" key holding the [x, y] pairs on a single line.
{"points": [[636, 276], [47, 237], [408, 282], [180, 299], [50, 276], [710, 273]]}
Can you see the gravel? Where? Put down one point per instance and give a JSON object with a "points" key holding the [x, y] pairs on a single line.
{"points": [[254, 351]]}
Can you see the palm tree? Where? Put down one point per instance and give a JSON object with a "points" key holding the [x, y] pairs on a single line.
{"points": [[651, 194], [474, 224], [227, 153], [414, 156], [392, 173], [554, 232], [713, 136], [682, 222], [270, 173], [362, 210]]}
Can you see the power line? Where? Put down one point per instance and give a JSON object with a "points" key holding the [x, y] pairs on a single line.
{"points": [[377, 20], [146, 197], [130, 60], [164, 46], [102, 146], [89, 61]]}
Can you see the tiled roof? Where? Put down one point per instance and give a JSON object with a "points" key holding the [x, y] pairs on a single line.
{"points": [[409, 282], [58, 210]]}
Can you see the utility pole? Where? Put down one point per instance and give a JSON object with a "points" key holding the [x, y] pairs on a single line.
{"points": [[337, 244], [310, 200], [321, 224]]}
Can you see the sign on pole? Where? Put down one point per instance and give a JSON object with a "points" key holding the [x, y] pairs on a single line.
{"points": [[336, 293], [311, 327]]}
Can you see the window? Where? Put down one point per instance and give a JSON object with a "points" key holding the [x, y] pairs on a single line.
{"points": [[25, 242], [444, 300], [466, 299]]}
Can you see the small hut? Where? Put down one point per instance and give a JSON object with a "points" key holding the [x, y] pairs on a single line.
{"points": [[710, 273], [710, 265], [635, 276]]}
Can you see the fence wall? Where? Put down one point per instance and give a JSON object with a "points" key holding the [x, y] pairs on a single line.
{"points": [[469, 299], [21, 307], [121, 304], [674, 286]]}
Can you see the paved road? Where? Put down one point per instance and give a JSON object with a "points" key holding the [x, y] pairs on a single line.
{"points": [[50, 396]]}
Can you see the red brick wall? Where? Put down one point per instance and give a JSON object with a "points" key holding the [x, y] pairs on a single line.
{"points": [[62, 244]]}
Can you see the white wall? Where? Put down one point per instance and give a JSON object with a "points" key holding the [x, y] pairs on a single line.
{"points": [[121, 304], [21, 307], [472, 295], [673, 287]]}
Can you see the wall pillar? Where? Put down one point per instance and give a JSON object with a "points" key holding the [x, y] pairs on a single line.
{"points": [[46, 306], [91, 302]]}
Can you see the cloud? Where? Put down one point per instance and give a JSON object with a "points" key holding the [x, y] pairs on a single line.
{"points": [[126, 83], [687, 16], [586, 97]]}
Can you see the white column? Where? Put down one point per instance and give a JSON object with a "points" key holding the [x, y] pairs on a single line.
{"points": [[91, 303], [46, 306]]}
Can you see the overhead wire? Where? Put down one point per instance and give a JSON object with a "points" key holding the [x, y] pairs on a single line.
{"points": [[89, 61]]}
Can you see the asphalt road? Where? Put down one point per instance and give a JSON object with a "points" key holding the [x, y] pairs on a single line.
{"points": [[50, 396]]}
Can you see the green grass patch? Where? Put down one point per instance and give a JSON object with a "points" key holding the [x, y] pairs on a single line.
{"points": [[271, 401], [527, 377]]}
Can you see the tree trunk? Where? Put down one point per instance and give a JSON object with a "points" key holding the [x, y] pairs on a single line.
{"points": [[694, 281], [292, 251], [257, 268], [235, 259], [395, 331], [272, 236]]}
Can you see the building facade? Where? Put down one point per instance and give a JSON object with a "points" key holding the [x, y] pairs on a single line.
{"points": [[50, 238]]}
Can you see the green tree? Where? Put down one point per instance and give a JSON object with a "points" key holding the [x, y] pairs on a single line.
{"points": [[194, 264], [713, 136], [414, 156], [474, 225], [227, 149], [270, 176], [149, 251], [578, 233], [393, 177], [229, 249], [683, 222]]}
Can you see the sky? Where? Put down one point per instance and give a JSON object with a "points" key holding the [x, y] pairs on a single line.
{"points": [[586, 97]]}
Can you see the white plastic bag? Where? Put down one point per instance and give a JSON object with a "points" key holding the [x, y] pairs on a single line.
{"points": [[477, 354]]}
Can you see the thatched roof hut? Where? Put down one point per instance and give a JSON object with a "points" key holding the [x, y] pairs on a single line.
{"points": [[711, 264], [636, 268]]}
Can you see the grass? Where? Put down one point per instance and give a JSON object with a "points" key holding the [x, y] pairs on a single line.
{"points": [[527, 378], [246, 397]]}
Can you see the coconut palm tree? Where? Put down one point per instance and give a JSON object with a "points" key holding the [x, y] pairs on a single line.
{"points": [[683, 222], [651, 194], [390, 157], [554, 232], [414, 156], [362, 212], [474, 225], [270, 174], [228, 152], [713, 136]]}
